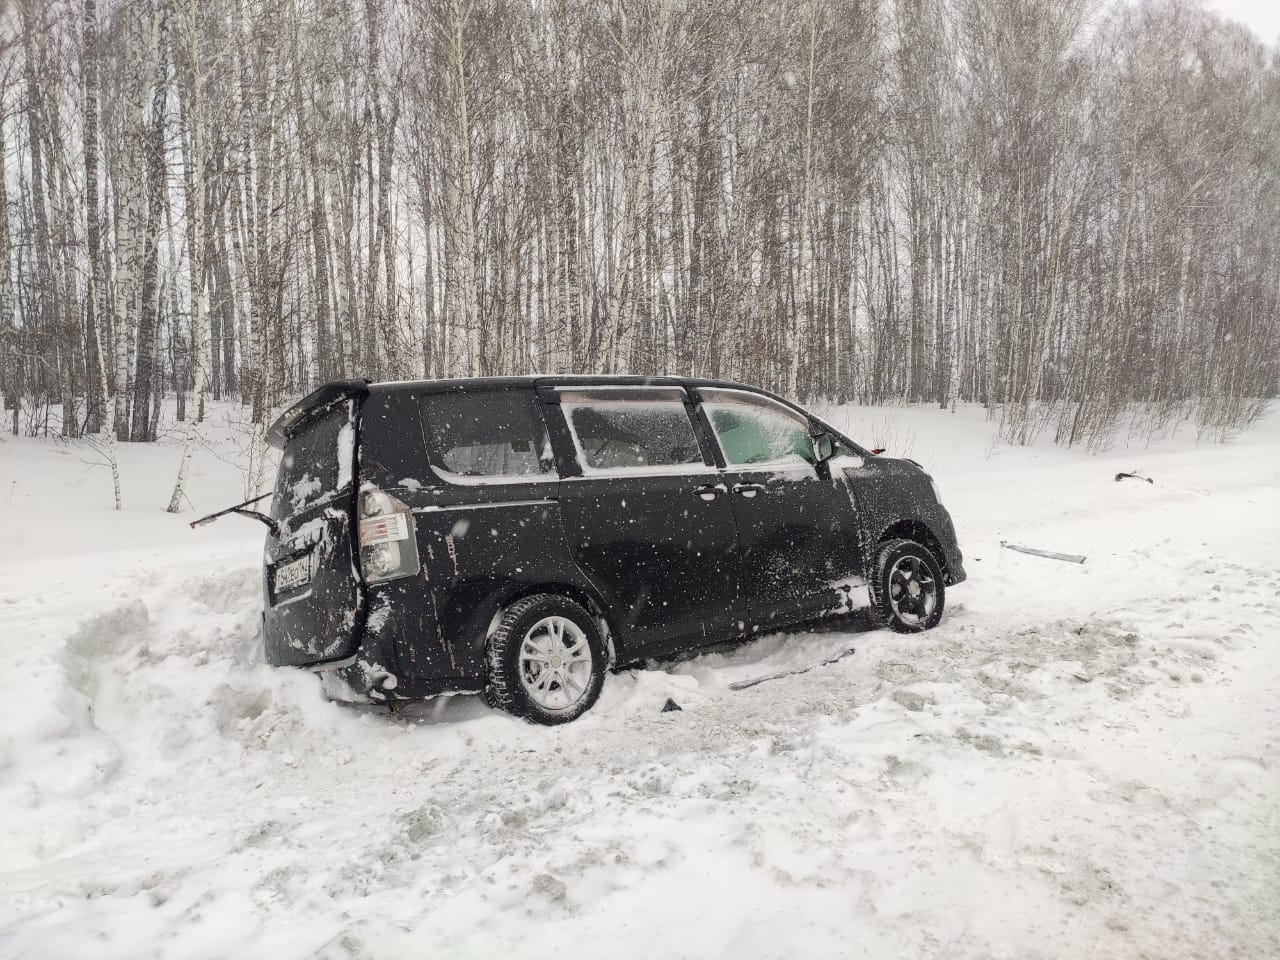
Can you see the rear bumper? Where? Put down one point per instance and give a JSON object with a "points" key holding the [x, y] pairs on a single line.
{"points": [[360, 680]]}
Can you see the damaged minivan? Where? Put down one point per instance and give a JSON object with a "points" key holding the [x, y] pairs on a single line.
{"points": [[518, 537]]}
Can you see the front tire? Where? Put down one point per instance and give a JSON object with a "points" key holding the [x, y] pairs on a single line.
{"points": [[907, 590], [546, 660]]}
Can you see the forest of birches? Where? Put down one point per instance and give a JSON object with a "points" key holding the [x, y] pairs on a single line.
{"points": [[1065, 210]]}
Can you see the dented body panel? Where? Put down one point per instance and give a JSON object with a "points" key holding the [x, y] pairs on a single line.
{"points": [[895, 499], [664, 560]]}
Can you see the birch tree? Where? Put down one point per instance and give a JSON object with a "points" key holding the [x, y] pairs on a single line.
{"points": [[193, 159]]}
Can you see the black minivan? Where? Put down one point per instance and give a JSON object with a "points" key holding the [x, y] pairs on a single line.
{"points": [[519, 536]]}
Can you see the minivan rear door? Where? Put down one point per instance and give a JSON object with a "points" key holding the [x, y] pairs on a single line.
{"points": [[649, 520], [312, 601]]}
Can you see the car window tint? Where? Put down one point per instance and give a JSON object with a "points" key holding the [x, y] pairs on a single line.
{"points": [[757, 432], [613, 433], [492, 433]]}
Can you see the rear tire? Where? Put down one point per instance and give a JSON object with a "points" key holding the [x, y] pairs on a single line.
{"points": [[546, 660], [907, 590]]}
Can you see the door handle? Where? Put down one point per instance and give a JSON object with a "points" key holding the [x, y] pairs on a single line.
{"points": [[709, 491], [748, 489]]}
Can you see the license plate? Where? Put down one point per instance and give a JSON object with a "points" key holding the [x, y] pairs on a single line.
{"points": [[294, 574]]}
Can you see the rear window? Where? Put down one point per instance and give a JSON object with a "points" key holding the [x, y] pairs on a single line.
{"points": [[316, 462], [498, 434]]}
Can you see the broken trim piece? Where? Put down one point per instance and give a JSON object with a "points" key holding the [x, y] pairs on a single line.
{"points": [[744, 684], [1068, 557]]}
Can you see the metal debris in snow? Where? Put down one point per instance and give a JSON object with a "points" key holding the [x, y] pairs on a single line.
{"points": [[1068, 557], [743, 684], [1135, 476]]}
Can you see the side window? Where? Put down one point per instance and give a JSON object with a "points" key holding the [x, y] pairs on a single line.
{"points": [[755, 430], [630, 429], [488, 434]]}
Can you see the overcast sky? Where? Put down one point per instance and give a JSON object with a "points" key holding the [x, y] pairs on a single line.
{"points": [[1262, 15]]}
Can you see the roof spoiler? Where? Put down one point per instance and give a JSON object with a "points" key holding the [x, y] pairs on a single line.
{"points": [[289, 421]]}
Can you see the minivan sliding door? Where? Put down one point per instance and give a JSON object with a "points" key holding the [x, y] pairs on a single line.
{"points": [[649, 519]]}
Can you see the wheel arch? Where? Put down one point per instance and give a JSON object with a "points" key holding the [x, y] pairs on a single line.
{"points": [[917, 530], [566, 590]]}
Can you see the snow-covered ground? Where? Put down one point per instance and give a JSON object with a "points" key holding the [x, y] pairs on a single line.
{"points": [[1081, 761]]}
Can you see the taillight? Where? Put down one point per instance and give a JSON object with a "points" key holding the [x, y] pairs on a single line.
{"points": [[388, 541]]}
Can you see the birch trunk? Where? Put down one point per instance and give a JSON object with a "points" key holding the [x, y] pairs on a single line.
{"points": [[194, 182], [804, 307], [97, 421]]}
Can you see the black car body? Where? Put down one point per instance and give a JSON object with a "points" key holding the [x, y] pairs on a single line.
{"points": [[412, 517]]}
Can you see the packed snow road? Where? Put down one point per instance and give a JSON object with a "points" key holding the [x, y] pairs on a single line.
{"points": [[1082, 760]]}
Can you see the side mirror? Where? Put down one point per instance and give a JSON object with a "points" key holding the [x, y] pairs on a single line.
{"points": [[824, 447]]}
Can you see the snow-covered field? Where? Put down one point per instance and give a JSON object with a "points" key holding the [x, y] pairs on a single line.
{"points": [[1081, 761]]}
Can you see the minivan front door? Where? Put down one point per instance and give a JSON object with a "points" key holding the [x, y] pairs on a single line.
{"points": [[800, 551], [650, 521]]}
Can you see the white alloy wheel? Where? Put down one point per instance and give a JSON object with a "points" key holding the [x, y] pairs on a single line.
{"points": [[555, 664]]}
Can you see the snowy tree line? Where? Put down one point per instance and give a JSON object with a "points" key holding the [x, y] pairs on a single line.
{"points": [[1061, 209]]}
